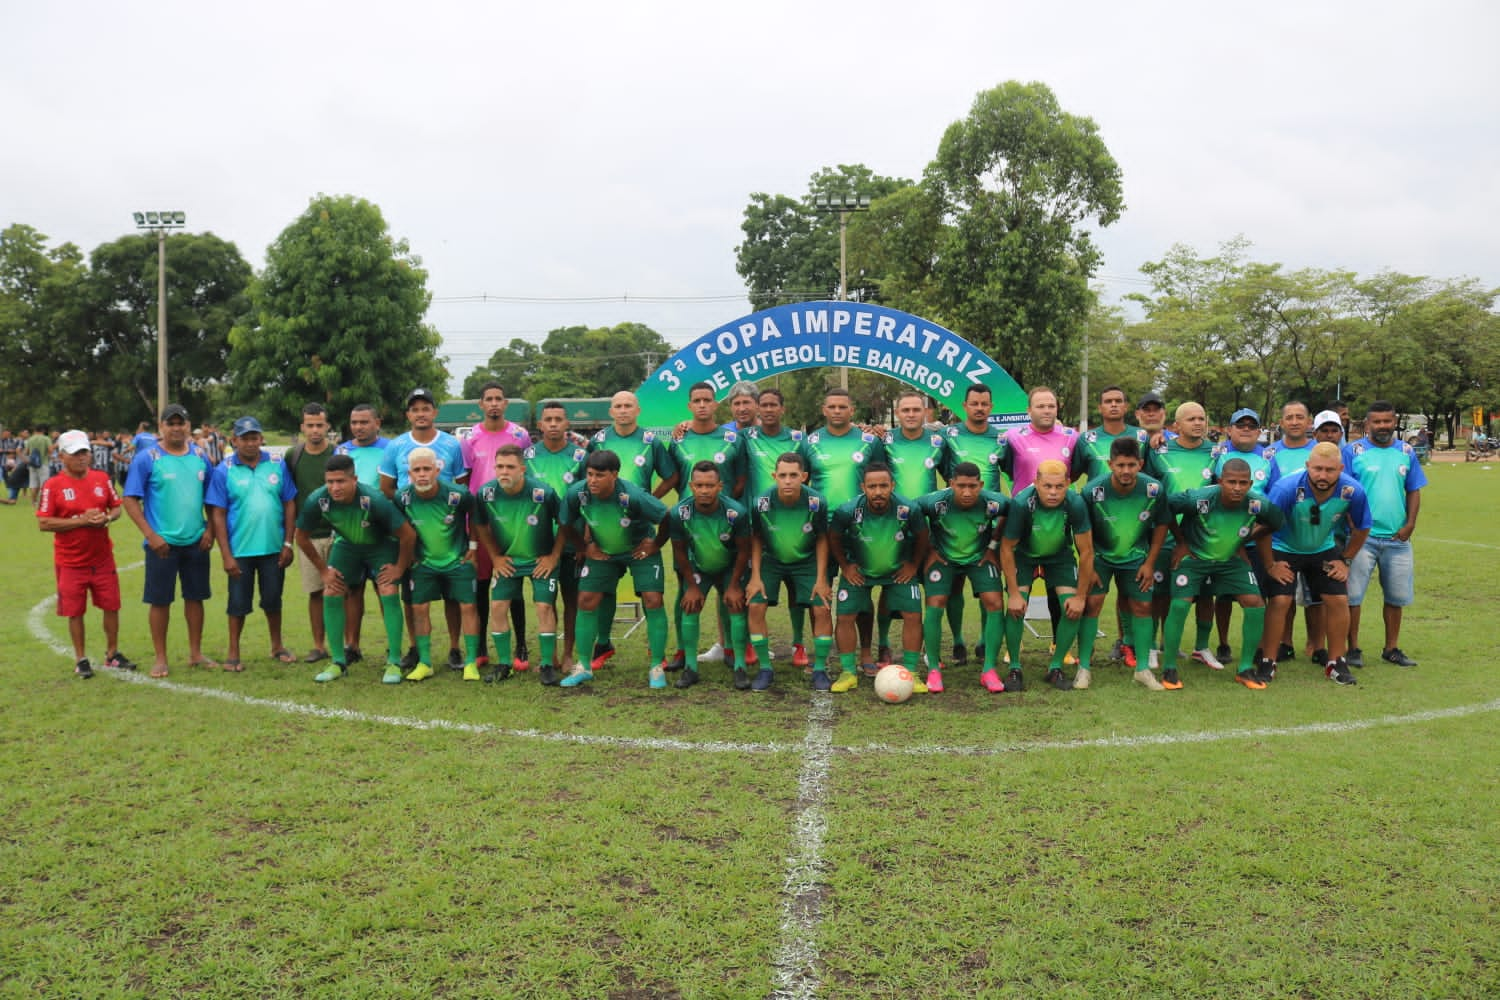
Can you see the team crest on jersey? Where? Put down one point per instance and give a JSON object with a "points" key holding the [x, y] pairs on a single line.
{"points": [[1182, 580], [814, 504], [940, 508], [1066, 451], [1255, 506], [900, 535], [723, 536], [1091, 437], [1208, 474], [364, 503], [857, 457], [1301, 494], [994, 458], [1204, 506], [859, 515], [843, 594], [538, 495], [685, 511], [1401, 471], [624, 499], [992, 508], [936, 440], [763, 504], [640, 461], [568, 478], [1145, 516], [1347, 492], [1098, 494], [719, 457], [814, 438], [273, 479], [1152, 489], [929, 463], [807, 528], [324, 504], [648, 436], [1260, 473], [1244, 531], [454, 499], [902, 512], [731, 515], [532, 520], [935, 576]]}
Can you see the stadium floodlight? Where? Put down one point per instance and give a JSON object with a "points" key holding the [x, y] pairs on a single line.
{"points": [[842, 204]]}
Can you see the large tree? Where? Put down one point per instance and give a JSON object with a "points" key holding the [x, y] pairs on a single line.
{"points": [[337, 318], [1018, 182], [43, 346]]}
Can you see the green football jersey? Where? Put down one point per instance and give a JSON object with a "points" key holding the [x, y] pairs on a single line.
{"points": [[618, 522], [643, 455], [1178, 468], [1122, 523], [1260, 464], [789, 533], [838, 460], [367, 519], [723, 446], [761, 452], [441, 521], [1045, 533], [961, 536], [558, 469], [525, 523], [1214, 532], [1091, 458], [981, 449], [915, 464], [713, 538], [878, 543]]}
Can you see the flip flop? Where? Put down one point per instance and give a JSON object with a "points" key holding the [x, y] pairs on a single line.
{"points": [[315, 655], [283, 656], [232, 666], [158, 672], [205, 663]]}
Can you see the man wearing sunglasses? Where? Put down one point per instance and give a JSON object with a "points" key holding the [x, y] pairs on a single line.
{"points": [[1312, 503]]}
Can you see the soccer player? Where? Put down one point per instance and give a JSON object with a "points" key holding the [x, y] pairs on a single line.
{"points": [[421, 416], [251, 500], [479, 448], [1046, 523], [972, 440], [1388, 469], [366, 446], [371, 538], [164, 498], [1151, 417], [557, 461], [711, 551], [1209, 559], [78, 507], [1242, 441], [306, 461], [878, 539], [964, 523], [440, 511], [1128, 515], [516, 522], [644, 456], [915, 455], [764, 446], [1093, 448], [1289, 455], [1181, 461], [789, 543], [1312, 502], [744, 405], [614, 523]]}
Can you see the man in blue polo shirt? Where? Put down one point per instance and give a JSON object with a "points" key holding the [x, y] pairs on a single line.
{"points": [[1388, 469], [251, 498], [164, 497]]}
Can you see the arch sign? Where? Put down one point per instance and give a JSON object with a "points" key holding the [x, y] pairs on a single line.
{"points": [[871, 338]]}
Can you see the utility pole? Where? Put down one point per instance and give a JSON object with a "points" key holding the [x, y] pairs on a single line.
{"points": [[843, 204], [159, 223]]}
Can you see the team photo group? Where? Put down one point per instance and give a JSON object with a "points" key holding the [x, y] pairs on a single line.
{"points": [[525, 538]]}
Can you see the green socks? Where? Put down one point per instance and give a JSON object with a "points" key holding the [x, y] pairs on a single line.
{"points": [[390, 612], [502, 647], [688, 627], [994, 634], [1088, 630], [1250, 635], [424, 648], [333, 625], [656, 634], [932, 635]]}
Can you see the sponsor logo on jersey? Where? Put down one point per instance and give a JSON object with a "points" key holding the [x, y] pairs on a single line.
{"points": [[539, 494], [1347, 492]]}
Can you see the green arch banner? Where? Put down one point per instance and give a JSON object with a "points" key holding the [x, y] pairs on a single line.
{"points": [[857, 335]]}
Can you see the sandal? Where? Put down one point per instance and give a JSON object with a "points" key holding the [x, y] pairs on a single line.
{"points": [[233, 666], [283, 656], [205, 663], [158, 672]]}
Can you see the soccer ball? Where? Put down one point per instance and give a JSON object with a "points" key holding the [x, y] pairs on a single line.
{"points": [[893, 684]]}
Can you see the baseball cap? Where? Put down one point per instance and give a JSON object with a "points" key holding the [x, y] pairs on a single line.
{"points": [[1244, 412], [174, 410], [417, 394], [246, 425], [72, 442], [1149, 398], [1326, 417]]}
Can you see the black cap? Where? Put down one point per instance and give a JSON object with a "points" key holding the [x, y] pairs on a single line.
{"points": [[1151, 397], [174, 410], [417, 394]]}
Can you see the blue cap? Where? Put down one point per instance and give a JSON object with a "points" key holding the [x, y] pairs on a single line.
{"points": [[1244, 412], [246, 425]]}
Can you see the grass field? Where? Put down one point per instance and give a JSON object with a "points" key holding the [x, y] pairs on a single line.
{"points": [[257, 835]]}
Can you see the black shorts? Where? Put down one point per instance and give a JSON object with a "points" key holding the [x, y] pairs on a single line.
{"points": [[1313, 569]]}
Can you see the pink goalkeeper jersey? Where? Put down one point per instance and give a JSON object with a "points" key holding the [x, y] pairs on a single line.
{"points": [[1022, 449], [480, 446]]}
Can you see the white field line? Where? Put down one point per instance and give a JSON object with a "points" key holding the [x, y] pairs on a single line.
{"points": [[1455, 541], [802, 889]]}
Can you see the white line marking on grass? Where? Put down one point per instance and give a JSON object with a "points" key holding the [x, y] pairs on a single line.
{"points": [[1455, 541], [802, 890], [36, 621]]}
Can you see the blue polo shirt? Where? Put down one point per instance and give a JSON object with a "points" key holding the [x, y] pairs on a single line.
{"points": [[170, 488], [253, 500], [393, 461]]}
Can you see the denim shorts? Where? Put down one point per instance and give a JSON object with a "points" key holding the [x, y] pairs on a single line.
{"points": [[1397, 571], [263, 573], [189, 563]]}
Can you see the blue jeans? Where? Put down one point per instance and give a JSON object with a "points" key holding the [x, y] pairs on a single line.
{"points": [[1397, 571]]}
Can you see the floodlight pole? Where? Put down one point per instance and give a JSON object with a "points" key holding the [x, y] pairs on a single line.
{"points": [[159, 223], [843, 204]]}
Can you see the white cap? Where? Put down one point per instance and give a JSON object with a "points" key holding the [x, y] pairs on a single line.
{"points": [[1326, 417], [72, 442]]}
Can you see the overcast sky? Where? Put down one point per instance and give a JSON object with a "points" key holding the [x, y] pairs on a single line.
{"points": [[586, 150]]}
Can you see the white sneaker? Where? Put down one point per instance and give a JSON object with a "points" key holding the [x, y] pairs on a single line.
{"points": [[715, 654], [1206, 657], [1147, 680], [1081, 679]]}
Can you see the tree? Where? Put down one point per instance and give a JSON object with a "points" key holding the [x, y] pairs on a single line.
{"points": [[512, 366], [43, 347], [337, 318], [1016, 181], [574, 361]]}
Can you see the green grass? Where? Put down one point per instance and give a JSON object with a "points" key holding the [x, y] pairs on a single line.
{"points": [[162, 843]]}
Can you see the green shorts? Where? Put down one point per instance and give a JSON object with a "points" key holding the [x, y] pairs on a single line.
{"points": [[603, 576], [1106, 572], [799, 579], [898, 596], [944, 577], [1225, 578], [358, 563], [456, 583], [513, 588], [1056, 572]]}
